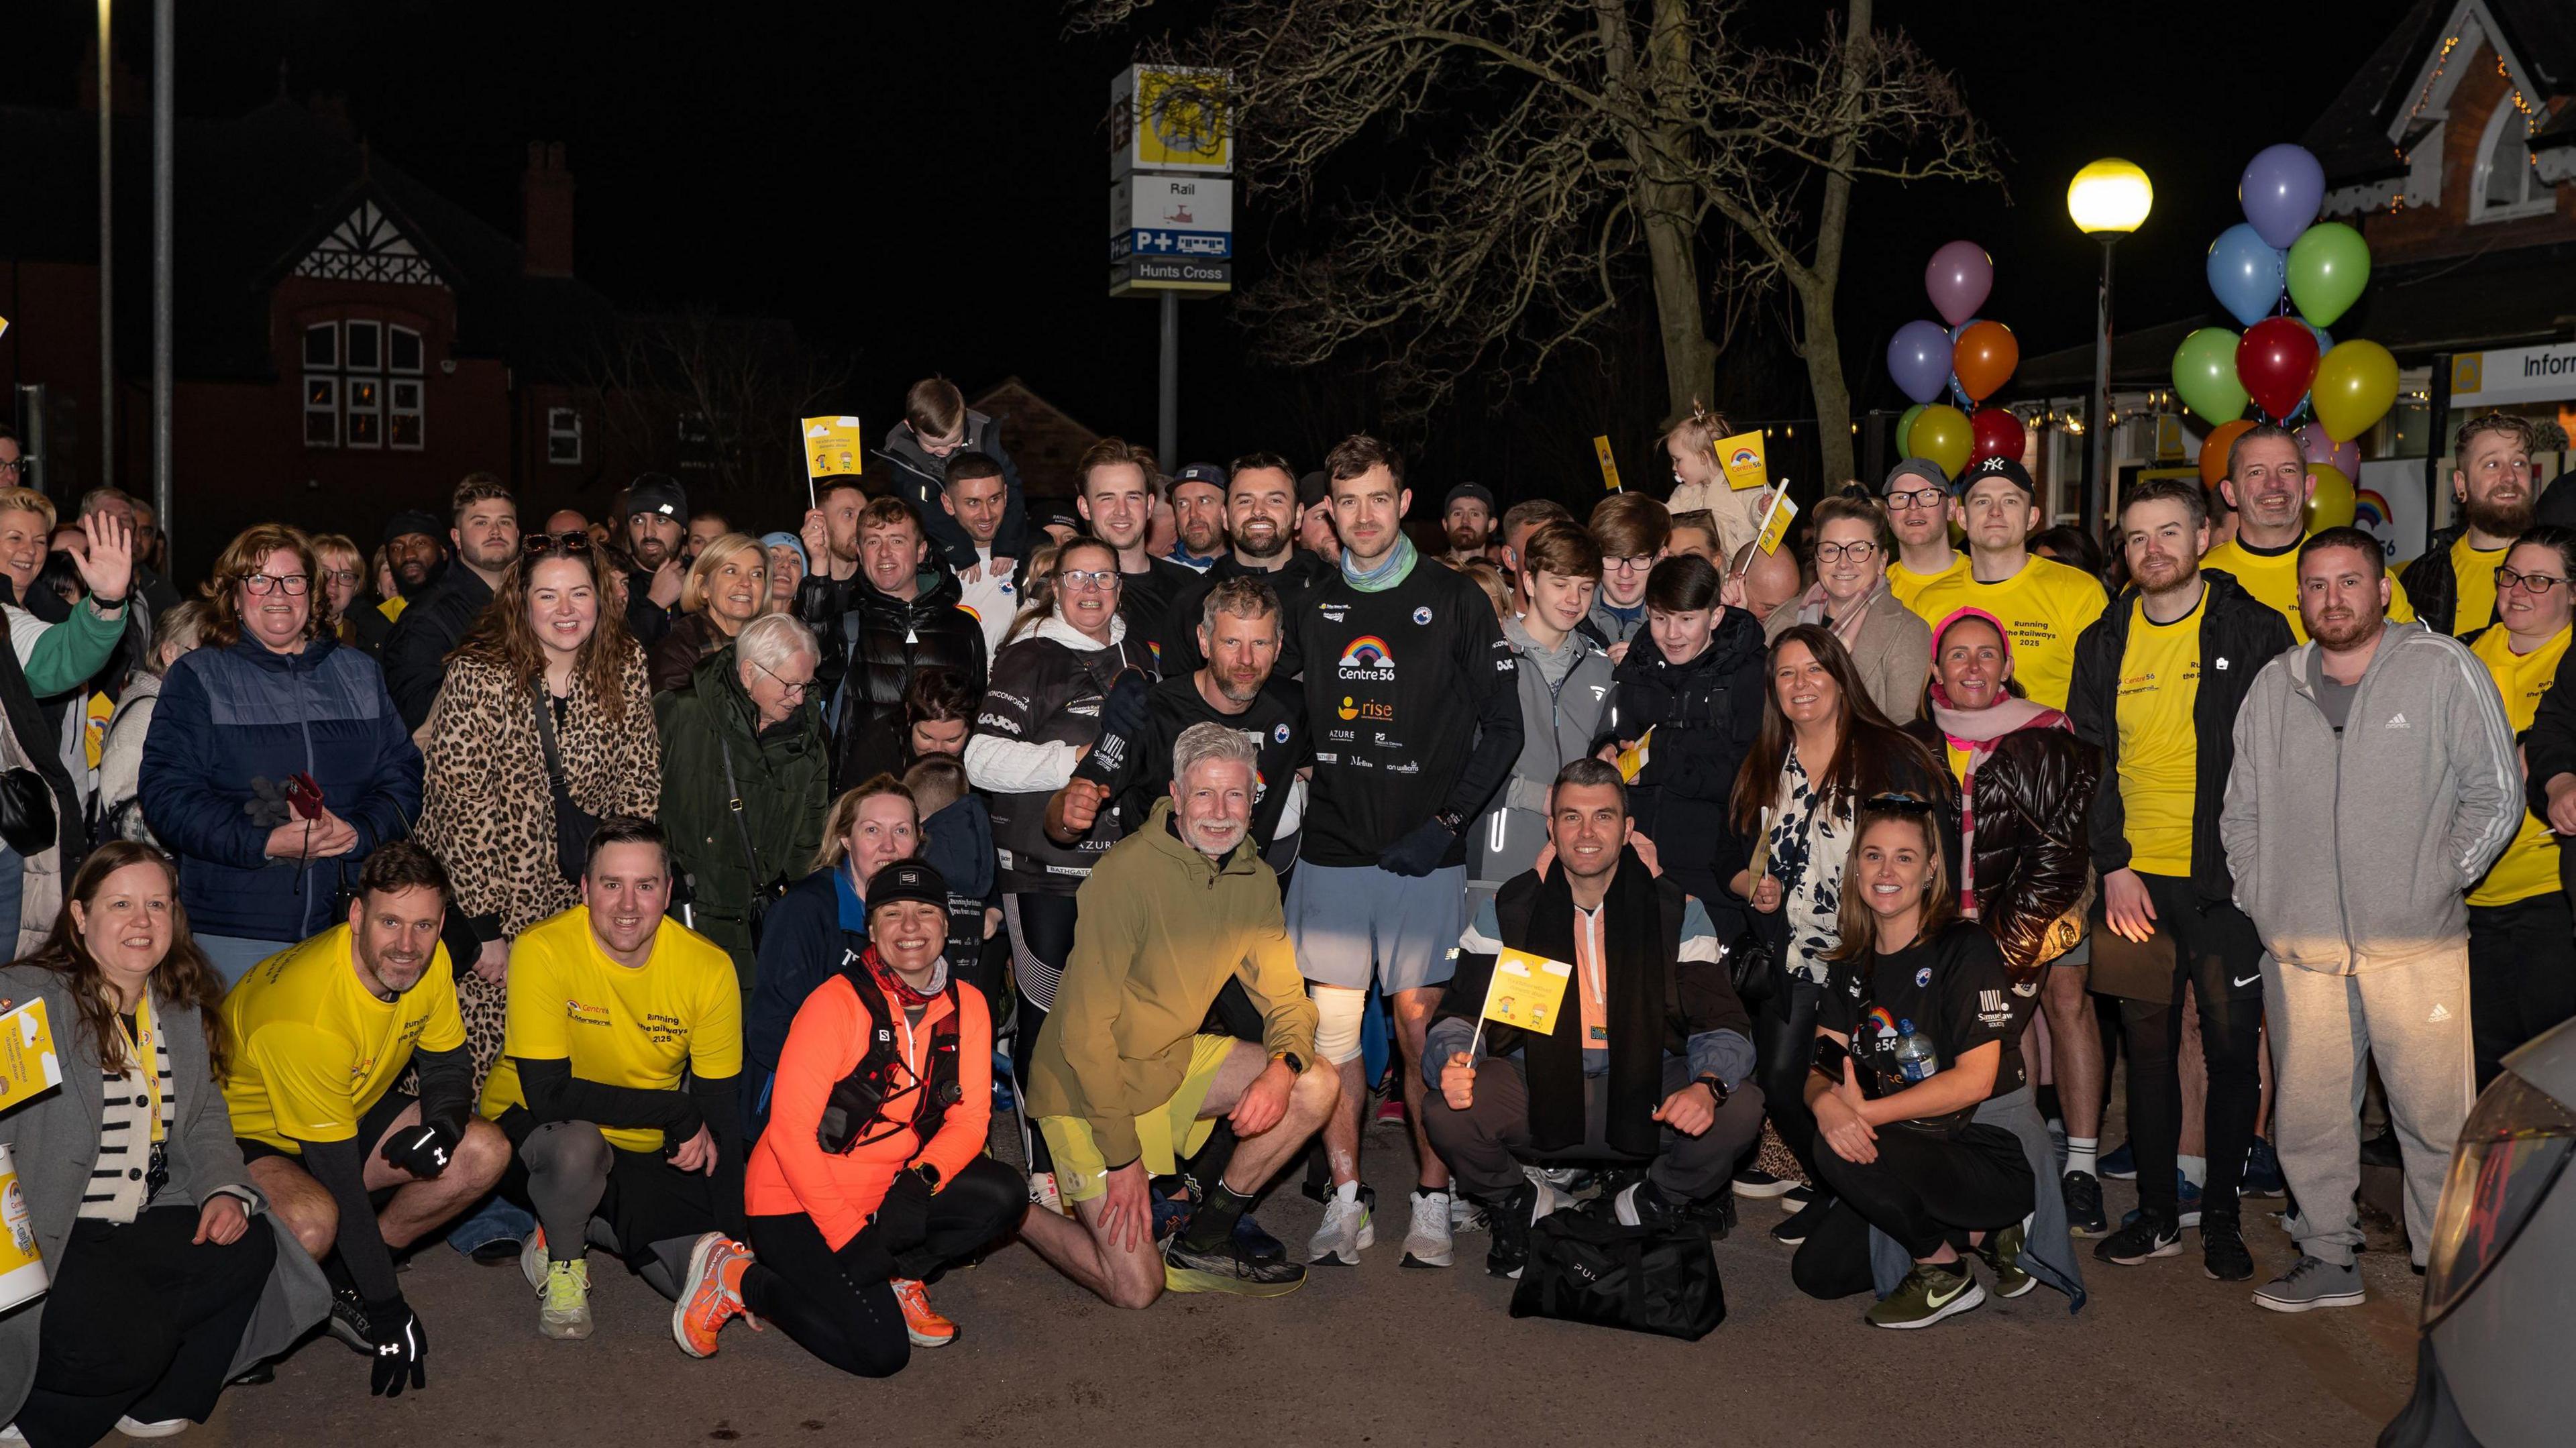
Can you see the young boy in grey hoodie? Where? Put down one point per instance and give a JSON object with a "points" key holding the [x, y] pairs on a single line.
{"points": [[2375, 780], [1564, 684]]}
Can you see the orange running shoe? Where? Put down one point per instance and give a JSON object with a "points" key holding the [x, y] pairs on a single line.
{"points": [[920, 1320], [711, 1295]]}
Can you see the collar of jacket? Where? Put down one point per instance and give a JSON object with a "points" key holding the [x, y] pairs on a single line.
{"points": [[719, 680], [1056, 629], [260, 654], [1297, 565], [1163, 832], [2394, 638], [1577, 642], [853, 905], [2226, 596], [934, 588], [1736, 641]]}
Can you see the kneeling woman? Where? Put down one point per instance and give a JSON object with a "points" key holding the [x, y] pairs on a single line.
{"points": [[1917, 1028], [166, 1281], [871, 1174]]}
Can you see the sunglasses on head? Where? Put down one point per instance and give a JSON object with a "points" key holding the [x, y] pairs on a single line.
{"points": [[1898, 803]]}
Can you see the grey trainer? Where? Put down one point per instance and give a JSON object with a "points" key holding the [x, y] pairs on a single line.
{"points": [[2312, 1282]]}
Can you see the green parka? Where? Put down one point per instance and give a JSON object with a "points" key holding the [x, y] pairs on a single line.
{"points": [[783, 778]]}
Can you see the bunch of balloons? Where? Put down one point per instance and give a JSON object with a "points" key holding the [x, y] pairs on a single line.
{"points": [[2281, 257], [1968, 358]]}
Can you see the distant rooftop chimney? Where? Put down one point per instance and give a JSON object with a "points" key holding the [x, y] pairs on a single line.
{"points": [[545, 198]]}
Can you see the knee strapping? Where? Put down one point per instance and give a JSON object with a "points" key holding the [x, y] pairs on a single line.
{"points": [[1338, 1012]]}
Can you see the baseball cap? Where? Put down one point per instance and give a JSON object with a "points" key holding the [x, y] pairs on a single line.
{"points": [[1916, 470], [1054, 512], [1208, 473], [1312, 489], [907, 880], [1477, 491], [410, 521], [2005, 468], [655, 493]]}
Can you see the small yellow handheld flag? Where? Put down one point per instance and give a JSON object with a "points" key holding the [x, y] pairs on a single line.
{"points": [[1526, 990], [28, 1064], [1741, 456], [1633, 759], [1775, 524], [833, 447], [1609, 464]]}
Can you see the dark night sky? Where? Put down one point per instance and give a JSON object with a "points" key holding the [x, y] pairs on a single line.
{"points": [[924, 183]]}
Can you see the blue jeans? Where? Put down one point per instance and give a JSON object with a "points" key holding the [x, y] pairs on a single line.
{"points": [[498, 1220], [232, 956], [13, 889]]}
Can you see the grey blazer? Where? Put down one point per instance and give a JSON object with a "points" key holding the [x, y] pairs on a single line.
{"points": [[1892, 652], [54, 1141]]}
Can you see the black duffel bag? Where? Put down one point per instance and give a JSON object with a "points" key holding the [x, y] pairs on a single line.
{"points": [[1584, 1267]]}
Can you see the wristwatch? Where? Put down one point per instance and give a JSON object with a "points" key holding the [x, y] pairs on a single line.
{"points": [[929, 1174], [1296, 1064], [1448, 820], [1715, 1087]]}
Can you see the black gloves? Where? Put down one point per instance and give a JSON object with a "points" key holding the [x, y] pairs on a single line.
{"points": [[903, 1218], [424, 1149], [1419, 852], [1122, 714], [402, 1349]]}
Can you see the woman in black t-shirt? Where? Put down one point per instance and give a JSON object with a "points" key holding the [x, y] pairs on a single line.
{"points": [[1917, 1027]]}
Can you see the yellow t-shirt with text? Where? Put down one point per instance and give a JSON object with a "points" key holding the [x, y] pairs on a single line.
{"points": [[2274, 578], [314, 1049], [619, 1025], [2159, 749], [2045, 604], [2528, 866], [2473, 584], [1907, 584]]}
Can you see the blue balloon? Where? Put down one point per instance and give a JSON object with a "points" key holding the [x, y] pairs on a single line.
{"points": [[2281, 191], [1918, 357], [2247, 273]]}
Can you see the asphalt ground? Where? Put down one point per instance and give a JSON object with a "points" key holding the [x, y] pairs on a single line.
{"points": [[1382, 1354]]}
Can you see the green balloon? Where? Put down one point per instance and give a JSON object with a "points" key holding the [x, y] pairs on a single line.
{"points": [[1905, 427], [2329, 265], [2204, 372]]}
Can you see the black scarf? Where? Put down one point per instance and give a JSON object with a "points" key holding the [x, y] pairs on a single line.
{"points": [[1637, 949]]}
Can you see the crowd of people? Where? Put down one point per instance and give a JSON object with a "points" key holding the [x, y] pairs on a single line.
{"points": [[647, 889]]}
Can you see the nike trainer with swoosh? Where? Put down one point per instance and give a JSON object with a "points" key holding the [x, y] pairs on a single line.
{"points": [[1928, 1294]]}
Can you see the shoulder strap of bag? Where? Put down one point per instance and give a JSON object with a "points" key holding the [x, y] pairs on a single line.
{"points": [[733, 801], [543, 708]]}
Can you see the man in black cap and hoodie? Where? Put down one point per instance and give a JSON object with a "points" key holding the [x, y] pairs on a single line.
{"points": [[415, 549], [486, 539], [654, 521]]}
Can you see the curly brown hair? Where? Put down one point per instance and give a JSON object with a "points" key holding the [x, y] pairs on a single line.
{"points": [[243, 557], [182, 978], [503, 638]]}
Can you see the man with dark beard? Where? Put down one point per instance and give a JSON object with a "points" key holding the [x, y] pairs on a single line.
{"points": [[651, 516], [1261, 516], [2268, 484], [1467, 521], [2453, 584]]}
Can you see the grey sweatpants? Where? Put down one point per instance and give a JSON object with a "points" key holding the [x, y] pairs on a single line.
{"points": [[1485, 1144], [2413, 1019]]}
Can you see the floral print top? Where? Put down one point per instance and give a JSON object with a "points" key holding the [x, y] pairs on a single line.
{"points": [[1810, 841]]}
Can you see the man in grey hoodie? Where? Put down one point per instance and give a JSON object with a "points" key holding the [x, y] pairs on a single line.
{"points": [[1564, 683], [2375, 781]]}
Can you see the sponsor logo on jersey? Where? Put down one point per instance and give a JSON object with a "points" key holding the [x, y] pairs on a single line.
{"points": [[1923, 977], [1349, 710], [1280, 734], [1422, 615], [586, 1013], [1369, 658]]}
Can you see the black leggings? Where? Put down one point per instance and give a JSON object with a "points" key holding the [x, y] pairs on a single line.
{"points": [[1785, 1044], [1922, 1190], [801, 1284], [143, 1322], [1041, 942]]}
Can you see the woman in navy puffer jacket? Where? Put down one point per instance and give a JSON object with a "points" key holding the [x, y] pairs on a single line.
{"points": [[272, 696]]}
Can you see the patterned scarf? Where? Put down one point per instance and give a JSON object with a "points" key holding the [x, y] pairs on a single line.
{"points": [[896, 988], [1398, 564], [1975, 733]]}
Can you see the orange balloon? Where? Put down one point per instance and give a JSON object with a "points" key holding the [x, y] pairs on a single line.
{"points": [[1985, 358], [2213, 450]]}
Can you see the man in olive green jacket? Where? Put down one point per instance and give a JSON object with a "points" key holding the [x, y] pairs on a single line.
{"points": [[1122, 1082]]}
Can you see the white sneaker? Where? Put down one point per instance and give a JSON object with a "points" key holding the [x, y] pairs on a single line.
{"points": [[1043, 1193], [1465, 1216], [11, 1434], [166, 1428], [1348, 1229], [1427, 1242]]}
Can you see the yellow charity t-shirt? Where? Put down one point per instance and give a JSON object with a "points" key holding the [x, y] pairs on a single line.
{"points": [[1958, 761], [2045, 604], [1907, 584], [2159, 750], [2528, 866], [2473, 579], [314, 1049], [2272, 575], [619, 1025]]}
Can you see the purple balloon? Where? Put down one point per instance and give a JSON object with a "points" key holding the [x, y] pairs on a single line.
{"points": [[1959, 277], [2343, 457], [1918, 357], [2281, 190]]}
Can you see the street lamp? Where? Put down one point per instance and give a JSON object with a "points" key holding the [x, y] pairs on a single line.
{"points": [[2109, 199]]}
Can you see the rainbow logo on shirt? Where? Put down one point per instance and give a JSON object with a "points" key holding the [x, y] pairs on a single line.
{"points": [[1368, 657], [1880, 1022]]}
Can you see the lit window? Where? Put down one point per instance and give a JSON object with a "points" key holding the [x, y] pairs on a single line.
{"points": [[366, 409], [2506, 185], [321, 411], [403, 416], [349, 398], [563, 436]]}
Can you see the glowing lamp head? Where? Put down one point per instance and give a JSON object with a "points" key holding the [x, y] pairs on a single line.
{"points": [[2110, 195]]}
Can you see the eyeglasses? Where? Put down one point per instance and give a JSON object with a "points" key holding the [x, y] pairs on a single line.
{"points": [[1860, 552], [339, 575], [537, 545], [13, 466], [2506, 580], [293, 584], [791, 688], [1633, 563], [1926, 498], [1088, 581]]}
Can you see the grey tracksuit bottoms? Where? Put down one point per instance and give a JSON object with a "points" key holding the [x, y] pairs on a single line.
{"points": [[2413, 1019]]}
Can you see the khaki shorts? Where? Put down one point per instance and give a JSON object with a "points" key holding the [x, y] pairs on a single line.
{"points": [[1166, 1135]]}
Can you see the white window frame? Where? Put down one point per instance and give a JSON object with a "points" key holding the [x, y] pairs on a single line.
{"points": [[2539, 198], [329, 409], [396, 410], [351, 408], [563, 426], [331, 363], [419, 347]]}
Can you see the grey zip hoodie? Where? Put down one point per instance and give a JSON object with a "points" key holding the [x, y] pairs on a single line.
{"points": [[2352, 853], [1563, 693]]}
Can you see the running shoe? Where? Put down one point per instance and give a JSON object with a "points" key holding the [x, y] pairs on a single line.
{"points": [[2144, 1235], [1171, 1209], [1227, 1268], [349, 1321], [2120, 1163], [2084, 1205], [922, 1322], [2383, 1150], [1427, 1242], [2310, 1283], [711, 1295], [563, 1303], [2263, 1172], [1390, 1112], [1510, 1218], [1466, 1214], [2002, 1254], [532, 1259], [1800, 1197], [2186, 1198], [166, 1428], [1753, 1181], [1928, 1294], [1347, 1230], [1043, 1193], [1793, 1229], [1256, 1241], [2222, 1250]]}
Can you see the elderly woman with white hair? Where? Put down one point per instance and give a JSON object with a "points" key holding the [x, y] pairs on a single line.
{"points": [[745, 780]]}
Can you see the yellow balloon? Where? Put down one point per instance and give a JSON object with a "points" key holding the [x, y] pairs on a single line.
{"points": [[2356, 384], [2331, 503], [1943, 435]]}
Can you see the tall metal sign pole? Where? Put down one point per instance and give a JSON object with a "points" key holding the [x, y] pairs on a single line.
{"points": [[106, 249], [1171, 205], [164, 92]]}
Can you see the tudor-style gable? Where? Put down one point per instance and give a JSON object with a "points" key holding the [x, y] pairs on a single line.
{"points": [[369, 246]]}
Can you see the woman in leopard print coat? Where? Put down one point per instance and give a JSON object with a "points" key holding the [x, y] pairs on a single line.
{"points": [[493, 812]]}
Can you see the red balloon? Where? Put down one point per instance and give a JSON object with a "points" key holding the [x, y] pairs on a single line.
{"points": [[1996, 433], [2276, 362]]}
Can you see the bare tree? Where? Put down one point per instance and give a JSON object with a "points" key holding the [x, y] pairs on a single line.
{"points": [[1545, 145], [714, 400]]}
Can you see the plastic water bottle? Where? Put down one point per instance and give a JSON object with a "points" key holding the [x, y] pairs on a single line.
{"points": [[1916, 1059]]}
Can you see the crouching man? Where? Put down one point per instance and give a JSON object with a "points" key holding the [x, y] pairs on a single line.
{"points": [[1124, 1085], [1651, 1064]]}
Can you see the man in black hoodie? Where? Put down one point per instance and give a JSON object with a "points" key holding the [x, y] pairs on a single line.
{"points": [[486, 538], [1261, 519], [894, 617], [651, 516], [937, 426]]}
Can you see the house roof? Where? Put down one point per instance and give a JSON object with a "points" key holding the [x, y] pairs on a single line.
{"points": [[2352, 137], [255, 193]]}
